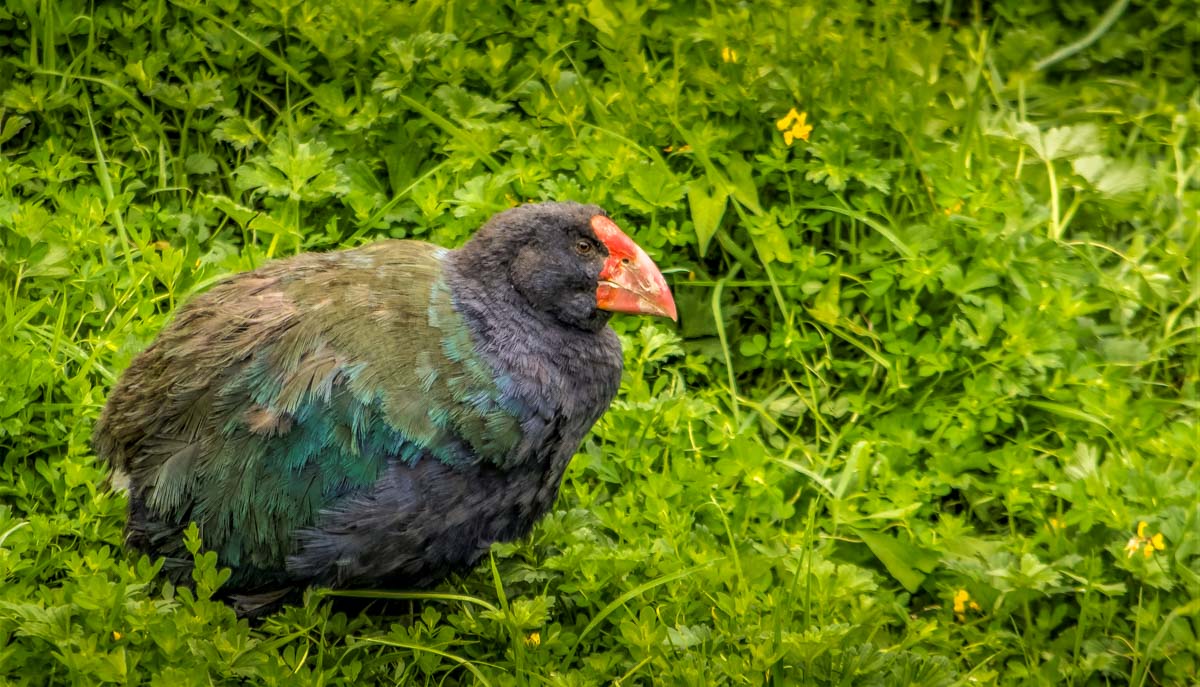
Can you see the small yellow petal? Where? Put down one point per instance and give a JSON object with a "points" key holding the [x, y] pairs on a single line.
{"points": [[1157, 541], [534, 639], [116, 635], [786, 123], [795, 126], [1149, 550], [975, 606], [1141, 530]]}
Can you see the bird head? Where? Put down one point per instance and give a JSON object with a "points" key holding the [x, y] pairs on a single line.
{"points": [[572, 262]]}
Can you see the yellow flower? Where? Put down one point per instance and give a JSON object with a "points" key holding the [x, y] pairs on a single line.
{"points": [[534, 639], [961, 597], [964, 602], [794, 125], [1147, 545], [116, 635], [729, 55], [1154, 543]]}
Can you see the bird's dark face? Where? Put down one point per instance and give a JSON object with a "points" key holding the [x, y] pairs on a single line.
{"points": [[573, 263]]}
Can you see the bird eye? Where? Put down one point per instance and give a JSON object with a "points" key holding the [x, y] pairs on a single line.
{"points": [[583, 247]]}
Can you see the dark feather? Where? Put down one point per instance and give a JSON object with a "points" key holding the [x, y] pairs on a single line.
{"points": [[368, 417]]}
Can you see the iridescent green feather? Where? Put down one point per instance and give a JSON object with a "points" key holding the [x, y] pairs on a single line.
{"points": [[283, 398]]}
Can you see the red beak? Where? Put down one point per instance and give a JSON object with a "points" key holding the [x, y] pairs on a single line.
{"points": [[630, 281]]}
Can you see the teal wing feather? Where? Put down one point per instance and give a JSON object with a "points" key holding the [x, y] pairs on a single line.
{"points": [[285, 389]]}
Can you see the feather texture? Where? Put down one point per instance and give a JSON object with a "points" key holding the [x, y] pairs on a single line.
{"points": [[279, 399], [372, 416]]}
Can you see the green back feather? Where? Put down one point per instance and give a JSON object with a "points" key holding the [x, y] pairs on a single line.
{"points": [[284, 389]]}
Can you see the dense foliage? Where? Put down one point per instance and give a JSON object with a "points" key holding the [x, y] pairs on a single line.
{"points": [[929, 418]]}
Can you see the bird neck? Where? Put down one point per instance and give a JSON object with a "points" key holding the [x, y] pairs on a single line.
{"points": [[531, 346]]}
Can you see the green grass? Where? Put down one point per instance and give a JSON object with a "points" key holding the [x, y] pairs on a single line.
{"points": [[945, 350]]}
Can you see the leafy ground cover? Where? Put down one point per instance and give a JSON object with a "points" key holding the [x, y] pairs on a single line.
{"points": [[929, 418]]}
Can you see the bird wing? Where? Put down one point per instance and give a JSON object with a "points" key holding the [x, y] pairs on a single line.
{"points": [[282, 390]]}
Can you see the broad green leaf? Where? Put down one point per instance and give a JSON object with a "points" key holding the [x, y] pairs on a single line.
{"points": [[1109, 177], [741, 176], [602, 17], [1060, 142], [48, 260], [240, 132], [656, 185], [1070, 412], [708, 208], [1125, 351], [826, 307], [907, 563], [769, 239], [238, 213], [12, 126]]}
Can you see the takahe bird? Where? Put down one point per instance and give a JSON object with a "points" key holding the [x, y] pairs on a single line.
{"points": [[376, 417]]}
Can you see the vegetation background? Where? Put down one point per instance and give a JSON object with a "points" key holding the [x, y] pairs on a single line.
{"points": [[929, 417]]}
